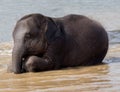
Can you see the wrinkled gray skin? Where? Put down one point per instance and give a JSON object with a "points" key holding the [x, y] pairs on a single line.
{"points": [[44, 43]]}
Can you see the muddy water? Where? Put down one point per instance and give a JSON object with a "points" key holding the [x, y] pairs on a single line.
{"points": [[99, 78]]}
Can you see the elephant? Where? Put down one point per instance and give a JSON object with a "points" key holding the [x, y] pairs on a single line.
{"points": [[43, 43]]}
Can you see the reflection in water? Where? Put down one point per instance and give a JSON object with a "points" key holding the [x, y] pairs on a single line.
{"points": [[80, 79]]}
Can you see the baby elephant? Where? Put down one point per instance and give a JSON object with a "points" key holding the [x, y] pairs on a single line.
{"points": [[44, 43]]}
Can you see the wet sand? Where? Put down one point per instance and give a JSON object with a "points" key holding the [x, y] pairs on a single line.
{"points": [[100, 78]]}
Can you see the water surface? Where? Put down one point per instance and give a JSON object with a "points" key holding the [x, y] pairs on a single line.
{"points": [[79, 79]]}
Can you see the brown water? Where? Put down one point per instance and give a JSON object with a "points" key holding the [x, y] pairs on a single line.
{"points": [[101, 78]]}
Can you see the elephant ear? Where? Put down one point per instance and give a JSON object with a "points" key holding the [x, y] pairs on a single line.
{"points": [[54, 30]]}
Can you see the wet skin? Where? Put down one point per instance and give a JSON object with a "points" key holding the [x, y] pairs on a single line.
{"points": [[44, 43]]}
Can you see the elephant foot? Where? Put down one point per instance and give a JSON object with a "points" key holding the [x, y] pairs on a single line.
{"points": [[36, 64]]}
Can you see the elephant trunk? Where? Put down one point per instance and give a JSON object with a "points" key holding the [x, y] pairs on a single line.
{"points": [[17, 55]]}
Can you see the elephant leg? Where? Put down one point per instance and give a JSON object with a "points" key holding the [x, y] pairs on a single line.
{"points": [[36, 64]]}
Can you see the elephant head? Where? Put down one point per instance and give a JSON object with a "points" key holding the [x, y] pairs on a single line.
{"points": [[32, 36]]}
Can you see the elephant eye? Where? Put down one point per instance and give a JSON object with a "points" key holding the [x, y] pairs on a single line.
{"points": [[27, 35]]}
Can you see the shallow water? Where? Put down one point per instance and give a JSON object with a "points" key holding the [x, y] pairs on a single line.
{"points": [[79, 79]]}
